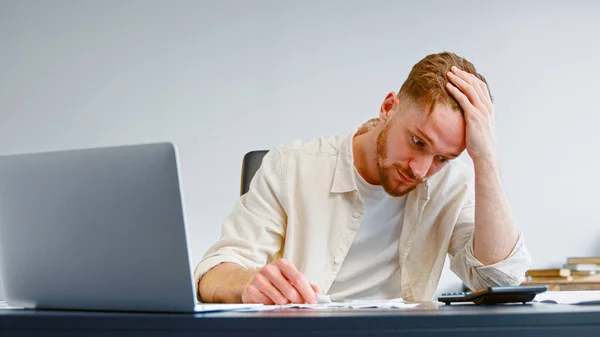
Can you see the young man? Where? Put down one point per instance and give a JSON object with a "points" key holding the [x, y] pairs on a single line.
{"points": [[372, 215]]}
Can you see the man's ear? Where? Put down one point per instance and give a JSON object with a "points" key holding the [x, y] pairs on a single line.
{"points": [[389, 106]]}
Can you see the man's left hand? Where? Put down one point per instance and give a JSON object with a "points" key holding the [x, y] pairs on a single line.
{"points": [[473, 96]]}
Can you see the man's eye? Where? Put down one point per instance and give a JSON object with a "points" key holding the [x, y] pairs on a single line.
{"points": [[442, 159], [417, 141]]}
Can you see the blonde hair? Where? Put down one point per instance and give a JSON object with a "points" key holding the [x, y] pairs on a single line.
{"points": [[426, 83]]}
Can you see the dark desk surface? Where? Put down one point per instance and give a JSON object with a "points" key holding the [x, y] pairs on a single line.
{"points": [[429, 319]]}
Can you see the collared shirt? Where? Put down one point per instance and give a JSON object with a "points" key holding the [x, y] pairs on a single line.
{"points": [[371, 269], [303, 205]]}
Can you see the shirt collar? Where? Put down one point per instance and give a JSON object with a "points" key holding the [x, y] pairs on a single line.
{"points": [[343, 177]]}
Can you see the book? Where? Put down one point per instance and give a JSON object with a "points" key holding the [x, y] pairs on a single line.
{"points": [[582, 266], [575, 277], [549, 279], [576, 260], [586, 276], [562, 272]]}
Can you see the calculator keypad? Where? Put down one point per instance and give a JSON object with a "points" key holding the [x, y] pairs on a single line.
{"points": [[456, 294]]}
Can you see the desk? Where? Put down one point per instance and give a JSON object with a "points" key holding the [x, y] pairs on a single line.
{"points": [[428, 320]]}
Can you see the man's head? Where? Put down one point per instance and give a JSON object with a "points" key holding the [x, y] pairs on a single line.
{"points": [[422, 127]]}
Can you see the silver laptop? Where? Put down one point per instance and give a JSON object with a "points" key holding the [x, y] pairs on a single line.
{"points": [[95, 229]]}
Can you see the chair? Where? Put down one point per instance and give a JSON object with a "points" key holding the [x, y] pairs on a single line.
{"points": [[250, 165]]}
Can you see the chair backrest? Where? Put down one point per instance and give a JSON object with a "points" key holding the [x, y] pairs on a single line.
{"points": [[250, 165]]}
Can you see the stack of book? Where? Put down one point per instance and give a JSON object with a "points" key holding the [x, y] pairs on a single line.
{"points": [[579, 273]]}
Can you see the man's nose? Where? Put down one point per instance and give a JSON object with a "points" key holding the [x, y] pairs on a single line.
{"points": [[420, 166]]}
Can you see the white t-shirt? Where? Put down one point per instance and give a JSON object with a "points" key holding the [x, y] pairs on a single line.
{"points": [[371, 269]]}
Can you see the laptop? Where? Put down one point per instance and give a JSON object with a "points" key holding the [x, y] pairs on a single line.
{"points": [[95, 229]]}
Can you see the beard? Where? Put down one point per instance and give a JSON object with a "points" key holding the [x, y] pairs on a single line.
{"points": [[395, 190]]}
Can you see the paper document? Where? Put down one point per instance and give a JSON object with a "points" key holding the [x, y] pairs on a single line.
{"points": [[4, 305], [569, 297], [386, 304], [323, 299], [325, 303], [213, 307]]}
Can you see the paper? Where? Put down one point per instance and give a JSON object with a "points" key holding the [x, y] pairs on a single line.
{"points": [[4, 305], [213, 307], [569, 297], [323, 298], [326, 304], [386, 304]]}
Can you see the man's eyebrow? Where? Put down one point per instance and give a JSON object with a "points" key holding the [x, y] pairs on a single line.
{"points": [[430, 142], [423, 135]]}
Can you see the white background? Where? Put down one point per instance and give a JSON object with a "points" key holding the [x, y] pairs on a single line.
{"points": [[220, 78]]}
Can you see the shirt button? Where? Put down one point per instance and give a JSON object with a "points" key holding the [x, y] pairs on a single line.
{"points": [[337, 260], [356, 215]]}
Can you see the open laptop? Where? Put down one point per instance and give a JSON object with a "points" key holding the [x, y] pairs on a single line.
{"points": [[95, 229]]}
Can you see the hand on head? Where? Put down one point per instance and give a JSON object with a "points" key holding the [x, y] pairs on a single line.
{"points": [[474, 97]]}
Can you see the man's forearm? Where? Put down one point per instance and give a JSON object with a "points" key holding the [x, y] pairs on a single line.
{"points": [[495, 230], [224, 283]]}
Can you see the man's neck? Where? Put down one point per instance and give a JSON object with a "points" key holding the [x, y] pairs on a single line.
{"points": [[364, 147]]}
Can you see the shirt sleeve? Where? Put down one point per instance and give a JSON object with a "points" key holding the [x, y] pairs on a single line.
{"points": [[253, 232], [509, 272]]}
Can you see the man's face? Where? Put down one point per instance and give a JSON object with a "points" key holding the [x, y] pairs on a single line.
{"points": [[414, 145]]}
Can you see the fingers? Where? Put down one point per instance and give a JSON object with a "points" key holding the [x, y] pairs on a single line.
{"points": [[470, 91], [484, 88], [461, 98], [298, 280], [279, 283], [282, 284], [265, 286], [252, 294], [479, 86], [474, 81]]}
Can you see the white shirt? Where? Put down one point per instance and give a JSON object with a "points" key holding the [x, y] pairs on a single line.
{"points": [[303, 205], [371, 269]]}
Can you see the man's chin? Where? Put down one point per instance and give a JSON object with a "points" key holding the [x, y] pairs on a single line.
{"points": [[394, 186], [399, 191]]}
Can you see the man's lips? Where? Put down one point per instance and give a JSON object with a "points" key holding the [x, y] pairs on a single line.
{"points": [[404, 178]]}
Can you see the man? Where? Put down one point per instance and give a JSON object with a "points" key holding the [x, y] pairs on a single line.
{"points": [[372, 215]]}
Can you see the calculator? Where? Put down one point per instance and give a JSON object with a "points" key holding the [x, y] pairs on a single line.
{"points": [[495, 295]]}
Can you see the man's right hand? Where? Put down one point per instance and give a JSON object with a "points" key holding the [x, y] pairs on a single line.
{"points": [[279, 283]]}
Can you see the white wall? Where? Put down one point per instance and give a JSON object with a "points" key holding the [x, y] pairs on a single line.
{"points": [[220, 78]]}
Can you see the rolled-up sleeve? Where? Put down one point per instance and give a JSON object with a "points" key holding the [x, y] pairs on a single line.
{"points": [[252, 233], [476, 275]]}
